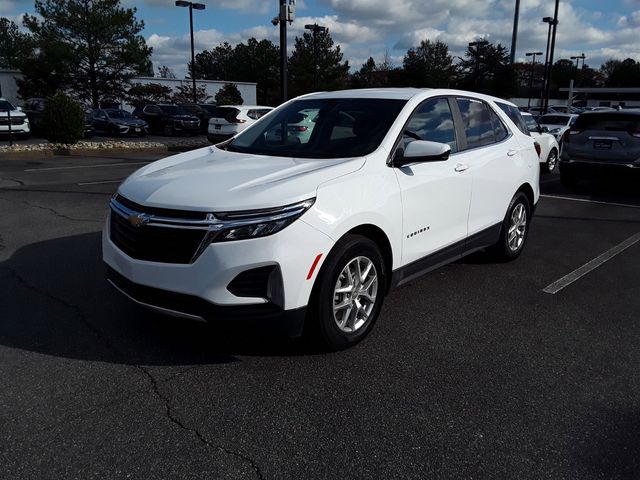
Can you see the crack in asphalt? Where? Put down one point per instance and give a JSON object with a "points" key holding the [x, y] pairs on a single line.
{"points": [[154, 383], [49, 209]]}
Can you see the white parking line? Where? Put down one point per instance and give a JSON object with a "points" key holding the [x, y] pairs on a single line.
{"points": [[100, 183], [557, 197], [86, 166], [567, 280]]}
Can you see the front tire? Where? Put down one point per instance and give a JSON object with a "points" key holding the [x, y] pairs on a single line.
{"points": [[515, 229], [552, 160], [348, 294]]}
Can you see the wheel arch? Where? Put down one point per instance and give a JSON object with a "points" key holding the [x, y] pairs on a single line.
{"points": [[528, 191], [377, 235]]}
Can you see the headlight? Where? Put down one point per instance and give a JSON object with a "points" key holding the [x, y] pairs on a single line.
{"points": [[259, 223]]}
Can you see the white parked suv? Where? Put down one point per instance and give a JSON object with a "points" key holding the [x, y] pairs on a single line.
{"points": [[229, 120], [549, 148], [19, 121], [391, 184]]}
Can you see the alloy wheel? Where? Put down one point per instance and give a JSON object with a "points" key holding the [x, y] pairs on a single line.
{"points": [[354, 294]]}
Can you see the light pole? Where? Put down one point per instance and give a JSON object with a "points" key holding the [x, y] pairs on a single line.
{"points": [[315, 29], [192, 6], [533, 67], [477, 44], [514, 36], [551, 51], [287, 13], [551, 22]]}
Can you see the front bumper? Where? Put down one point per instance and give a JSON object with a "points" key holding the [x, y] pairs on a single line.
{"points": [[195, 308], [206, 282], [23, 127]]}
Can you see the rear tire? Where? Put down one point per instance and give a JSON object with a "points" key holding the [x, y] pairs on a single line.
{"points": [[348, 294], [552, 160], [515, 229]]}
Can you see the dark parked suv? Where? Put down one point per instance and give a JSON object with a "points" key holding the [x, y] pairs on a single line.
{"points": [[168, 119], [35, 108], [601, 142], [204, 111]]}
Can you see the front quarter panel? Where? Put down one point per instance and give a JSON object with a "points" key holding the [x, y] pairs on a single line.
{"points": [[369, 196]]}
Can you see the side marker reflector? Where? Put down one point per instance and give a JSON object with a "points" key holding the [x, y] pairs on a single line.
{"points": [[313, 266]]}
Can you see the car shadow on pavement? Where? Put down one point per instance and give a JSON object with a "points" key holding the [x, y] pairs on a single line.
{"points": [[55, 300]]}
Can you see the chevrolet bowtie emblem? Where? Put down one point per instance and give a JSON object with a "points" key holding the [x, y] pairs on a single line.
{"points": [[138, 220]]}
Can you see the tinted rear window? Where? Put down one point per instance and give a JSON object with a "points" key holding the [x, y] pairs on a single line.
{"points": [[226, 112], [616, 122], [514, 114]]}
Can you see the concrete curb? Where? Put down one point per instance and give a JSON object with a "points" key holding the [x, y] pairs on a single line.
{"points": [[96, 152]]}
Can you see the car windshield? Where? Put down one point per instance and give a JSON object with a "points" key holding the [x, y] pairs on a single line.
{"points": [[173, 110], [4, 106], [119, 114], [341, 128], [554, 119]]}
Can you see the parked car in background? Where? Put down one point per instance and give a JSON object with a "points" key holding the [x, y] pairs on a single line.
{"points": [[35, 109], [564, 109], [14, 118], [558, 124], [299, 127], [602, 142], [168, 119], [539, 111], [391, 184], [229, 120], [118, 122], [549, 147], [201, 110]]}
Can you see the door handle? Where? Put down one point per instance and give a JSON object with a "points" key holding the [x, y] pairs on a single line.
{"points": [[511, 153], [461, 167]]}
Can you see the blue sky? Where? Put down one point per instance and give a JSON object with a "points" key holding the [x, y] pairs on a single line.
{"points": [[602, 29]]}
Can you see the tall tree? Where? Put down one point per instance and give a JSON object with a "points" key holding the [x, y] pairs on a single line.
{"points": [[624, 73], [487, 68], [317, 64], [183, 93], [364, 77], [14, 45], [165, 72], [96, 43], [140, 94], [429, 65], [215, 64], [229, 95]]}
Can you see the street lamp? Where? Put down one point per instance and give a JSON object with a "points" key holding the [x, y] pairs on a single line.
{"points": [[315, 29], [192, 6], [286, 14], [577, 59], [533, 66], [553, 27]]}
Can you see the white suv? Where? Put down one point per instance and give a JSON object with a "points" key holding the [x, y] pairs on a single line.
{"points": [[229, 120], [19, 121], [391, 184]]}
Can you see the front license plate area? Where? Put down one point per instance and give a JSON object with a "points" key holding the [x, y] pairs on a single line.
{"points": [[217, 127]]}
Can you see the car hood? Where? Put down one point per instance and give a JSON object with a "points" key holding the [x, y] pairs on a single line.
{"points": [[211, 179]]}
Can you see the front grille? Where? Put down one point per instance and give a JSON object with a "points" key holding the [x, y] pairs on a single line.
{"points": [[155, 243], [14, 121]]}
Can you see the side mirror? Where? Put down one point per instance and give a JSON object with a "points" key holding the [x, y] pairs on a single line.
{"points": [[544, 130], [419, 151]]}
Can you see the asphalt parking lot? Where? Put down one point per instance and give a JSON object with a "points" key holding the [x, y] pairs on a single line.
{"points": [[471, 372]]}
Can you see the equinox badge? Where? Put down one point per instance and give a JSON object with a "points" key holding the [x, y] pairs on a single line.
{"points": [[138, 220]]}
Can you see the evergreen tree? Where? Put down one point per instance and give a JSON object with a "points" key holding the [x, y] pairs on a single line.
{"points": [[94, 45], [429, 65]]}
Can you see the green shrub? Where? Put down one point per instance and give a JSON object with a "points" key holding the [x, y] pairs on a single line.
{"points": [[63, 120]]}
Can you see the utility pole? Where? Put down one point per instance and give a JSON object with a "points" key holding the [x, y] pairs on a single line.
{"points": [[551, 51], [192, 6], [514, 36], [286, 13], [533, 67]]}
